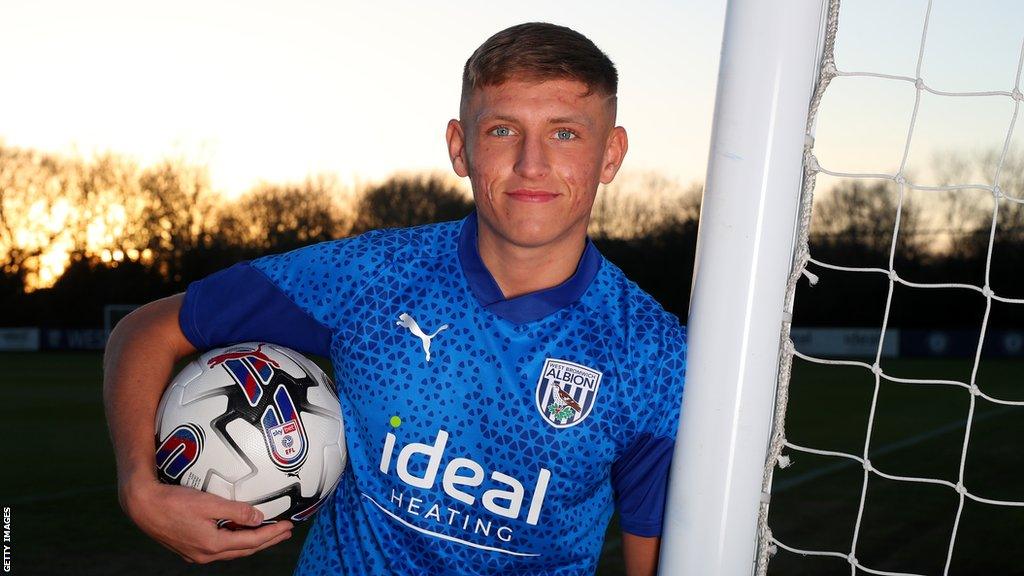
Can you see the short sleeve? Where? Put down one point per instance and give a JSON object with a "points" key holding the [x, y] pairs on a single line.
{"points": [[324, 279], [240, 304], [296, 299], [639, 475], [640, 482]]}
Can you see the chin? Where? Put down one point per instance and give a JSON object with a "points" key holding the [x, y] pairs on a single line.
{"points": [[533, 230], [531, 240], [534, 235]]}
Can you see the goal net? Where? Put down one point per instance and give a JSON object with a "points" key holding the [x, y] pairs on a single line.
{"points": [[905, 220]]}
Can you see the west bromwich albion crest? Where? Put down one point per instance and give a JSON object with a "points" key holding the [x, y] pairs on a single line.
{"points": [[566, 392]]}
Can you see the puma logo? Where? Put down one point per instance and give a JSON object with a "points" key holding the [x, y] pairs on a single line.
{"points": [[408, 322]]}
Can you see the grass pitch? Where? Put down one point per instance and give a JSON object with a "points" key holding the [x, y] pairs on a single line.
{"points": [[59, 475], [59, 481], [918, 431]]}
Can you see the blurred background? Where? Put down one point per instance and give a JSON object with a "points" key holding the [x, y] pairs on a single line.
{"points": [[144, 146]]}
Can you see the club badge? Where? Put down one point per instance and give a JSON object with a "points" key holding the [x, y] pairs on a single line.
{"points": [[566, 392]]}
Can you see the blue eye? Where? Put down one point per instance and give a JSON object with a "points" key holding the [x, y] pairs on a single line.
{"points": [[502, 131], [565, 135]]}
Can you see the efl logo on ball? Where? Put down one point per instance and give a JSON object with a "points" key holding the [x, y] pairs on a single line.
{"points": [[287, 444], [253, 422]]}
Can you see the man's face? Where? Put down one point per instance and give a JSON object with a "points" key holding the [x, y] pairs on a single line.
{"points": [[535, 152]]}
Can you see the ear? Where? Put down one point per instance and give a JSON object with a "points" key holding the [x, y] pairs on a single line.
{"points": [[457, 148], [614, 152]]}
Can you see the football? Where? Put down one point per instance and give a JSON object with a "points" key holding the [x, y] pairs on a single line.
{"points": [[253, 422]]}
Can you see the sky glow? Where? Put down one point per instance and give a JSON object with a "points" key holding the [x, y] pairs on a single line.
{"points": [[273, 91]]}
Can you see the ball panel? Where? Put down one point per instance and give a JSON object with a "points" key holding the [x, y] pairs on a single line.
{"points": [[275, 508], [220, 486], [272, 424], [329, 466], [202, 385], [335, 458]]}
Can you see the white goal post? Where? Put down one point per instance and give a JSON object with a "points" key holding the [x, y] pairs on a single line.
{"points": [[769, 65]]}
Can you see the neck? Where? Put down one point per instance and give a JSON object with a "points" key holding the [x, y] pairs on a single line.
{"points": [[520, 270]]}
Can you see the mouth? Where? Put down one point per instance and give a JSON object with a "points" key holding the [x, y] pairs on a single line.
{"points": [[532, 196]]}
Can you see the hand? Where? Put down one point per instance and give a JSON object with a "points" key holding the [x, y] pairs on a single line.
{"points": [[185, 520]]}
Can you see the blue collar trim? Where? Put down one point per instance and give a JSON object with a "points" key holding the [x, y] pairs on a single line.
{"points": [[527, 307]]}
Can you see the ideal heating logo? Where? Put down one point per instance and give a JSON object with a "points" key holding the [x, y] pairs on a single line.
{"points": [[463, 480]]}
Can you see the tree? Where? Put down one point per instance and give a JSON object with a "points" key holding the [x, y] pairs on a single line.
{"points": [[640, 205], [281, 217], [410, 200], [177, 218], [39, 201], [967, 216], [852, 224]]}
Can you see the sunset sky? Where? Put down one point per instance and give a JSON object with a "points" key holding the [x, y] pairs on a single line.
{"points": [[271, 91], [277, 91]]}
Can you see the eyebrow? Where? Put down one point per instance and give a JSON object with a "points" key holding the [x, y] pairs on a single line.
{"points": [[568, 120], [556, 120]]}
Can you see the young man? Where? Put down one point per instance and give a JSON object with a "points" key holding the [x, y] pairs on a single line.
{"points": [[503, 386]]}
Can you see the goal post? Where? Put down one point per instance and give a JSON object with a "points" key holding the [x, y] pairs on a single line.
{"points": [[749, 214]]}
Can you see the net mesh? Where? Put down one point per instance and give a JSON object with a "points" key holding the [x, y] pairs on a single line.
{"points": [[804, 265]]}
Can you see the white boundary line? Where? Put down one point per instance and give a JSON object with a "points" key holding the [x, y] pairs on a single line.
{"points": [[795, 481]]}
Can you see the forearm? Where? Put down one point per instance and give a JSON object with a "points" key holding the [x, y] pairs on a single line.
{"points": [[640, 554], [137, 366]]}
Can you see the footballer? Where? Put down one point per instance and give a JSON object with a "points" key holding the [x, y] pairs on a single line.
{"points": [[504, 387]]}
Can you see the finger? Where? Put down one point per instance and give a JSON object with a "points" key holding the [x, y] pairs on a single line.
{"points": [[230, 554], [240, 513], [231, 540]]}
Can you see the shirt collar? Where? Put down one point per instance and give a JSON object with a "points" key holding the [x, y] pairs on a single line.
{"points": [[527, 307]]}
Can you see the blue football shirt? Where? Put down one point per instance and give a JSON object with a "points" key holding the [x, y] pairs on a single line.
{"points": [[486, 435]]}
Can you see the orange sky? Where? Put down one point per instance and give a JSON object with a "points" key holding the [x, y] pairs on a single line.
{"points": [[275, 91]]}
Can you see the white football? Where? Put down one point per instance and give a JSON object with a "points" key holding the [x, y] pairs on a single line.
{"points": [[253, 422]]}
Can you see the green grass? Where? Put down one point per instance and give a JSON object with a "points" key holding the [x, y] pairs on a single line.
{"points": [[66, 519], [918, 431], [65, 514]]}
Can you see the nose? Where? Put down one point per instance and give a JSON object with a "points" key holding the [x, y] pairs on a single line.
{"points": [[532, 162]]}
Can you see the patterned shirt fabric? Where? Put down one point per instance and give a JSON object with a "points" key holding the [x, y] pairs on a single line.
{"points": [[486, 435]]}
